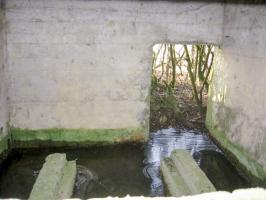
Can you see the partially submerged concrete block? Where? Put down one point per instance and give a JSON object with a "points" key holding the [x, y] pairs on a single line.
{"points": [[182, 176], [55, 180], [68, 180], [194, 177], [175, 185]]}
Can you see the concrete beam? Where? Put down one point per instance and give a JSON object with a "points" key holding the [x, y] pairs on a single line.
{"points": [[56, 179], [68, 180], [175, 185], [182, 176], [193, 176]]}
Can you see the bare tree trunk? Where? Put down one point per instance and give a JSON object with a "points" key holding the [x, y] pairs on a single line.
{"points": [[163, 62], [193, 81], [205, 82], [172, 56]]}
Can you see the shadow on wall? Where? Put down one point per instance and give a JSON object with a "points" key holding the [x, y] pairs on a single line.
{"points": [[226, 122]]}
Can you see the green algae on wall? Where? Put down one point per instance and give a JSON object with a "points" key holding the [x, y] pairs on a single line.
{"points": [[3, 143], [237, 154], [75, 137], [219, 120]]}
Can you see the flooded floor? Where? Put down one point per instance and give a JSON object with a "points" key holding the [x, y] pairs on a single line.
{"points": [[117, 171], [123, 169], [208, 156]]}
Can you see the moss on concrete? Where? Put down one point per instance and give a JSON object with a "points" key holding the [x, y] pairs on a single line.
{"points": [[252, 170], [3, 143], [75, 137]]}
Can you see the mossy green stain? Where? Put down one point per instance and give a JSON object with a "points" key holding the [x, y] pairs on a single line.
{"points": [[73, 137], [4, 143], [237, 154]]}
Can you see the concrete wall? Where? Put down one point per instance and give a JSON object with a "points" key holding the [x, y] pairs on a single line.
{"points": [[236, 112], [83, 67], [87, 64], [3, 83]]}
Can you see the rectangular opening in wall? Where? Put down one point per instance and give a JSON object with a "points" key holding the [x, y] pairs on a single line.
{"points": [[181, 75], [180, 81]]}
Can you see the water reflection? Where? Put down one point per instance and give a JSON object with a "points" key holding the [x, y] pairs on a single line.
{"points": [[163, 142], [85, 181], [117, 170]]}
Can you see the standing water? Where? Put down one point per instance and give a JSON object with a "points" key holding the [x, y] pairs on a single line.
{"points": [[122, 169], [207, 155]]}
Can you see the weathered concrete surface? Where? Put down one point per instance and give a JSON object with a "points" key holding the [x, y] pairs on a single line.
{"points": [[87, 64], [243, 194], [55, 180], [174, 183], [193, 176], [67, 182], [240, 194], [3, 83], [236, 111], [182, 176], [24, 138]]}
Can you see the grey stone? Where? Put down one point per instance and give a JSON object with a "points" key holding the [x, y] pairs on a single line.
{"points": [[55, 180], [174, 183], [193, 176]]}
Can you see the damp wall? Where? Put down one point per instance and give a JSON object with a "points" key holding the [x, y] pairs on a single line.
{"points": [[237, 109], [3, 83], [80, 70]]}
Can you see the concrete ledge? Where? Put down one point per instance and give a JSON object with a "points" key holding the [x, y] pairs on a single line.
{"points": [[55, 180], [237, 154], [182, 176], [242, 194], [4, 143]]}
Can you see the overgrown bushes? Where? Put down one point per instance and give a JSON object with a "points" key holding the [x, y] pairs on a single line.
{"points": [[175, 65]]}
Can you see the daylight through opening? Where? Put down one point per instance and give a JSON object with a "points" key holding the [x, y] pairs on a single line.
{"points": [[181, 75]]}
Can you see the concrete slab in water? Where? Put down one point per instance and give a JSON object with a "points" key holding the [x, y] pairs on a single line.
{"points": [[193, 176], [175, 185], [55, 180], [68, 180], [182, 175]]}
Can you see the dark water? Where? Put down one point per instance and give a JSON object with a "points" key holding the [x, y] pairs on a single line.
{"points": [[117, 171], [122, 169], [208, 156]]}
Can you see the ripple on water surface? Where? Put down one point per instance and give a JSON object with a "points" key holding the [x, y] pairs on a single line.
{"points": [[118, 170], [208, 156]]}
